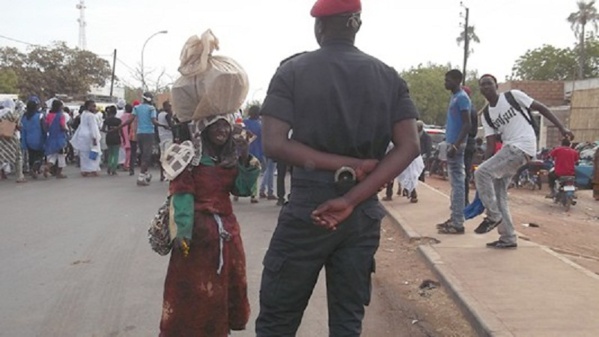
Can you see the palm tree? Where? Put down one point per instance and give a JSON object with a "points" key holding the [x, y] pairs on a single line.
{"points": [[472, 37], [466, 36], [587, 13]]}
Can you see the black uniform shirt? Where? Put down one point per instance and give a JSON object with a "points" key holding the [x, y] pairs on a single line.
{"points": [[339, 100]]}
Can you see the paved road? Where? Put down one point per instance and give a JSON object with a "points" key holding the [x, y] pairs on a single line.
{"points": [[74, 261]]}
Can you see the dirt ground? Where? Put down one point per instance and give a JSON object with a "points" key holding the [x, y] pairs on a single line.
{"points": [[574, 234], [415, 312]]}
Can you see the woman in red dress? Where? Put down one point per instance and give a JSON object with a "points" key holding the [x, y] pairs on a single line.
{"points": [[205, 291]]}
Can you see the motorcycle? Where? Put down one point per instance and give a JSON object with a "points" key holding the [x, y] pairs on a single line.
{"points": [[564, 192]]}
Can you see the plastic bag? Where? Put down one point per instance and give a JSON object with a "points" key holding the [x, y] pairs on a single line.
{"points": [[209, 85]]}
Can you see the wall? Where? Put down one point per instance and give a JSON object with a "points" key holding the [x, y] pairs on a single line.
{"points": [[550, 93]]}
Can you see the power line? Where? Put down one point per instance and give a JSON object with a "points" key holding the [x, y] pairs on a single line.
{"points": [[126, 66], [19, 41]]}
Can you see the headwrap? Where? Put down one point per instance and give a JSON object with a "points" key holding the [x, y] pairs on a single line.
{"points": [[196, 128], [8, 106], [179, 156], [324, 8], [121, 104]]}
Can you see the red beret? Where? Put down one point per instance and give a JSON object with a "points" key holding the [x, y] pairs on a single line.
{"points": [[335, 7], [135, 103]]}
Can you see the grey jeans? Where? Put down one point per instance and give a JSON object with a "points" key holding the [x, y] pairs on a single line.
{"points": [[492, 179]]}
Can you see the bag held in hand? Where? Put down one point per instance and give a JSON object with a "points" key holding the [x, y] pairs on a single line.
{"points": [[162, 230]]}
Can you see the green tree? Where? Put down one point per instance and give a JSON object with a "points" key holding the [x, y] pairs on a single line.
{"points": [[428, 92], [57, 69], [586, 14], [8, 81], [546, 63]]}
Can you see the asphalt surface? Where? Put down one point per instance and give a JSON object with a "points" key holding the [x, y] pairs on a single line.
{"points": [[75, 261]]}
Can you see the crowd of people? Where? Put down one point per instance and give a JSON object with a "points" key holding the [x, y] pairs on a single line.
{"points": [[338, 145], [46, 136]]}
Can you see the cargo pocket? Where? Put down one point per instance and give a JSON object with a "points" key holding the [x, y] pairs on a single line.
{"points": [[271, 277], [368, 290]]}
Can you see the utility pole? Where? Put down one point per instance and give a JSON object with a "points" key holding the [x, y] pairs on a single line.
{"points": [[113, 69], [82, 40], [466, 43]]}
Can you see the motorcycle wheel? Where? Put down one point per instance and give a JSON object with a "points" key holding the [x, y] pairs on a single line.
{"points": [[567, 202]]}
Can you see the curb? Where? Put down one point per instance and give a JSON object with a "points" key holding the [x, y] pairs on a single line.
{"points": [[482, 320]]}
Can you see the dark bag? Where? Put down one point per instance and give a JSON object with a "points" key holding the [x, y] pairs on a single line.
{"points": [[159, 234], [512, 101]]}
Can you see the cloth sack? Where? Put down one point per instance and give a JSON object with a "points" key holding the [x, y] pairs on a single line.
{"points": [[209, 85], [176, 159], [7, 128]]}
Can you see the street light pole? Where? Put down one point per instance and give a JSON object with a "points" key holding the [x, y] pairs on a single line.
{"points": [[466, 43], [143, 80]]}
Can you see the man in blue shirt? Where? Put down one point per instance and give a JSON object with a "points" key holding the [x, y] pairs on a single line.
{"points": [[456, 132], [145, 114]]}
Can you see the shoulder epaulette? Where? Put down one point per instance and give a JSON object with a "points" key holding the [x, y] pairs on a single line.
{"points": [[292, 57]]}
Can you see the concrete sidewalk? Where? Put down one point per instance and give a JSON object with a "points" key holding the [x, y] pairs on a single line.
{"points": [[529, 291]]}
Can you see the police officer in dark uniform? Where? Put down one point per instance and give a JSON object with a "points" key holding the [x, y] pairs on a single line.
{"points": [[344, 107]]}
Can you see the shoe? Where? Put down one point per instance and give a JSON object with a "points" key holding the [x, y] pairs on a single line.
{"points": [[486, 226], [449, 228], [253, 200], [550, 196], [443, 224], [131, 173], [501, 245], [387, 198], [280, 202], [271, 197], [262, 195], [142, 180], [148, 177], [413, 200]]}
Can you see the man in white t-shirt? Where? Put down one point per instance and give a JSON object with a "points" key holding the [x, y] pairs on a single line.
{"points": [[519, 146]]}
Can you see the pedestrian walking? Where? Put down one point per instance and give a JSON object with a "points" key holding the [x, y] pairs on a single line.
{"points": [[456, 134], [470, 146], [56, 143], [10, 147], [254, 125], [113, 138], [86, 141], [344, 107], [145, 115], [516, 126], [165, 133], [33, 137], [205, 291]]}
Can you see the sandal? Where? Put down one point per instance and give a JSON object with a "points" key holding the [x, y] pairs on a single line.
{"points": [[449, 229]]}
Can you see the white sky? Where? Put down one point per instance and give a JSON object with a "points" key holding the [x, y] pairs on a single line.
{"points": [[260, 33]]}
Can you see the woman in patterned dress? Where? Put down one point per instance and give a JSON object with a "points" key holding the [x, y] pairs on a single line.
{"points": [[205, 291]]}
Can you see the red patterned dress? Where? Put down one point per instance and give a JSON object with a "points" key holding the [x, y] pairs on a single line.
{"points": [[205, 293]]}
